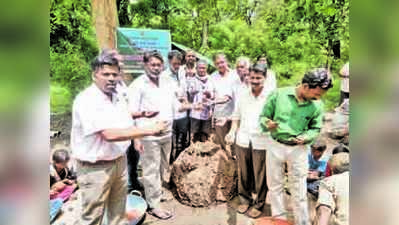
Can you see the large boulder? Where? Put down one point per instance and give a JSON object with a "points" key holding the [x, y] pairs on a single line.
{"points": [[204, 174]]}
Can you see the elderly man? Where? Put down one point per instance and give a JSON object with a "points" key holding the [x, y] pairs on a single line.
{"points": [[293, 116], [180, 139], [151, 92], [225, 82], [190, 62], [242, 70], [333, 203], [201, 108], [102, 128], [250, 145]]}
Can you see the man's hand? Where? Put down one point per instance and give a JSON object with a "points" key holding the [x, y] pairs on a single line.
{"points": [[299, 141], [138, 146], [160, 128], [59, 186], [150, 114], [53, 193], [313, 175], [271, 125], [68, 181], [230, 137]]}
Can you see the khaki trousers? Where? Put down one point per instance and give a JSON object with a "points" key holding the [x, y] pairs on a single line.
{"points": [[103, 187], [251, 175], [156, 168], [297, 160], [220, 134]]}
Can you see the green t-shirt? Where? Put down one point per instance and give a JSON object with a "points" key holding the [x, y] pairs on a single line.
{"points": [[295, 119]]}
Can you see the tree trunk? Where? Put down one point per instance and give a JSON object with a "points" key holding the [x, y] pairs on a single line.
{"points": [[204, 34]]}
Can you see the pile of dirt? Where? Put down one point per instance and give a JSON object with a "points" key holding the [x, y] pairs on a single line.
{"points": [[204, 174]]}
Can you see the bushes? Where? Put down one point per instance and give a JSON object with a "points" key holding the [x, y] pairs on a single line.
{"points": [[72, 46]]}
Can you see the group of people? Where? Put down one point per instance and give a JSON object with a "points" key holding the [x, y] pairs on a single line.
{"points": [[266, 129]]}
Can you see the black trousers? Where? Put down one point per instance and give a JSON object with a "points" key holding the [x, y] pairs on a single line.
{"points": [[133, 157], [180, 137]]}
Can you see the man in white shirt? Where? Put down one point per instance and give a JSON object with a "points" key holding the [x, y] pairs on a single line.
{"points": [[344, 74], [250, 143], [242, 70], [225, 82], [201, 123], [180, 137], [102, 128], [271, 81], [189, 62], [152, 92]]}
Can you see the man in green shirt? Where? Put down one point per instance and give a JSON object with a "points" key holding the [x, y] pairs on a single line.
{"points": [[293, 118]]}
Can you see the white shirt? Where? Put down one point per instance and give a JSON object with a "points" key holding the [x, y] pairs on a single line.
{"points": [[345, 80], [247, 111], [144, 95], [225, 86], [271, 82], [202, 86], [180, 85], [93, 112]]}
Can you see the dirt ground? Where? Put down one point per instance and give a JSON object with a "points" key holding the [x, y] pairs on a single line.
{"points": [[217, 214]]}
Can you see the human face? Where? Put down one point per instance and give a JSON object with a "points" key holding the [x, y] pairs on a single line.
{"points": [[316, 154], [190, 57], [241, 67], [312, 93], [60, 166], [106, 78], [154, 67], [174, 65], [201, 68], [256, 80], [221, 64], [262, 61]]}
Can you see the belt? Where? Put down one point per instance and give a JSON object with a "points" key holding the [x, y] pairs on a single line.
{"points": [[99, 162], [291, 143]]}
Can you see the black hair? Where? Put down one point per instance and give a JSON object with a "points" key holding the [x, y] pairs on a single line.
{"points": [[319, 145], [340, 148], [259, 68], [317, 78], [175, 54], [153, 53], [61, 156], [263, 55], [108, 57]]}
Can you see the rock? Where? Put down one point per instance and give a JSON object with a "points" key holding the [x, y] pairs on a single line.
{"points": [[204, 174]]}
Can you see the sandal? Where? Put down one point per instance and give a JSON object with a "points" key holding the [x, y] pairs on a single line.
{"points": [[160, 214]]}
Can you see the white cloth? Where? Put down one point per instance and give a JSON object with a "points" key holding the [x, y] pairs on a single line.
{"points": [[271, 82], [247, 111], [334, 192], [345, 80], [144, 95], [93, 112], [204, 114], [297, 160], [180, 86], [225, 86]]}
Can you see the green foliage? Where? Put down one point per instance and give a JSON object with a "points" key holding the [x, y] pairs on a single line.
{"points": [[72, 47], [60, 99]]}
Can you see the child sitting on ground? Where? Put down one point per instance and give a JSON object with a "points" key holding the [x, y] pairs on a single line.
{"points": [[317, 166], [62, 179]]}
